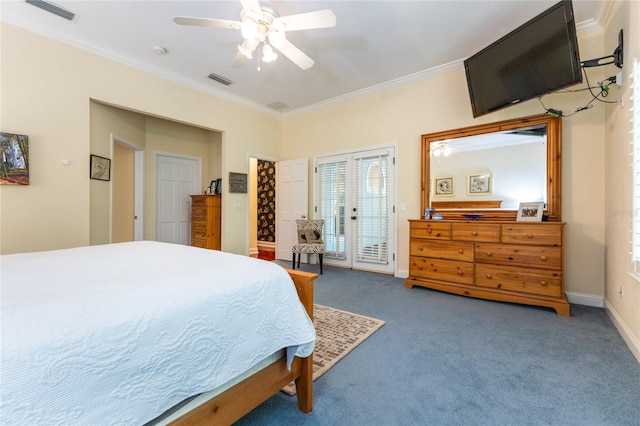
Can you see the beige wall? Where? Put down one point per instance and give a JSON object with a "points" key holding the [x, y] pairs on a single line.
{"points": [[618, 178], [54, 210]]}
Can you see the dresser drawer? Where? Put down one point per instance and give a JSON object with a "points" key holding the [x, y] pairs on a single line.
{"points": [[489, 233], [199, 226], [511, 254], [441, 249], [535, 234], [199, 243], [199, 212], [199, 201], [441, 270], [523, 280], [196, 235], [429, 229]]}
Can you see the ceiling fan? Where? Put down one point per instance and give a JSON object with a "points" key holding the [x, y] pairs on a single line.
{"points": [[262, 28]]}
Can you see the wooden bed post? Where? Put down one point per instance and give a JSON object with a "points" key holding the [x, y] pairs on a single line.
{"points": [[304, 382]]}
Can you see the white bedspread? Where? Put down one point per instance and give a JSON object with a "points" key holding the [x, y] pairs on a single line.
{"points": [[118, 333]]}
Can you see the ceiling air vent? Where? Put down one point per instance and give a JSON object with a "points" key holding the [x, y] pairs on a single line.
{"points": [[220, 79], [52, 8], [277, 105]]}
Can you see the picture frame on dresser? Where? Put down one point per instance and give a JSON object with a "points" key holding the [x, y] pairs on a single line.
{"points": [[479, 183], [530, 212], [444, 186]]}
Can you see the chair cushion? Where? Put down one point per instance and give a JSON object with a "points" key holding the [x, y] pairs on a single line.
{"points": [[308, 248]]}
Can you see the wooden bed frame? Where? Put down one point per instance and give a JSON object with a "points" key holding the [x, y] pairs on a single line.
{"points": [[234, 403]]}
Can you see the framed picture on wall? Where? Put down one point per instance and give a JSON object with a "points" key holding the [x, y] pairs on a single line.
{"points": [[444, 186], [530, 212], [479, 184], [100, 168]]}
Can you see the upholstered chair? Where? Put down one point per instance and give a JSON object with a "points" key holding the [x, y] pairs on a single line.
{"points": [[309, 240]]}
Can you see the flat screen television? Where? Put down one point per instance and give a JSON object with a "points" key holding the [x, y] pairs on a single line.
{"points": [[536, 58]]}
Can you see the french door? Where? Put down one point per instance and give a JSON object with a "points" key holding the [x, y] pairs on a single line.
{"points": [[354, 195]]}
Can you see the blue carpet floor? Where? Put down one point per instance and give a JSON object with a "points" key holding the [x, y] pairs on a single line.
{"points": [[443, 359]]}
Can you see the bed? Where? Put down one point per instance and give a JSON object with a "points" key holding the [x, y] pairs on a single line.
{"points": [[120, 333]]}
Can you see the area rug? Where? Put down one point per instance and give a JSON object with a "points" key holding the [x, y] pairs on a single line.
{"points": [[337, 333]]}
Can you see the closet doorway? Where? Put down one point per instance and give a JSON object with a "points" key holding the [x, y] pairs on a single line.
{"points": [[278, 196]]}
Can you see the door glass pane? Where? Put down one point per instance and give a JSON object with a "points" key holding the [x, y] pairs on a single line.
{"points": [[371, 231], [331, 181]]}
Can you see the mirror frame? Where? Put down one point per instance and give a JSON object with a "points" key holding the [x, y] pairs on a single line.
{"points": [[554, 163]]}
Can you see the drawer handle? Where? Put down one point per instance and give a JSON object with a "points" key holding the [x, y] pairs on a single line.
{"points": [[543, 258], [429, 230], [529, 235], [474, 233], [460, 251], [489, 254], [543, 283], [489, 276], [460, 272], [420, 248]]}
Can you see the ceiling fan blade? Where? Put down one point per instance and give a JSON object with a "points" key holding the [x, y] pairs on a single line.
{"points": [[296, 55], [207, 22], [306, 21], [239, 61]]}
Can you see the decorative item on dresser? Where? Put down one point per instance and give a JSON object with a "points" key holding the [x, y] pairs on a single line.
{"points": [[494, 260], [206, 214]]}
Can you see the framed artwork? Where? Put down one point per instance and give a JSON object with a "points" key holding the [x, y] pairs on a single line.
{"points": [[479, 184], [100, 168], [530, 212], [444, 186], [238, 182], [14, 159]]}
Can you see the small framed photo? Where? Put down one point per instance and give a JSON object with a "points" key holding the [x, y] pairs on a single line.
{"points": [[100, 168], [530, 212], [479, 184], [444, 186]]}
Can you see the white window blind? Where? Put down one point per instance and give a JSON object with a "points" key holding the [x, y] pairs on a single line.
{"points": [[634, 89], [331, 184], [372, 204]]}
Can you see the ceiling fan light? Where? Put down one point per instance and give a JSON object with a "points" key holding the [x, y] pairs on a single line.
{"points": [[249, 29], [248, 47], [268, 55]]}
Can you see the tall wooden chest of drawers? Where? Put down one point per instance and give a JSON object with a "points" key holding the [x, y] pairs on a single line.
{"points": [[206, 213], [519, 262]]}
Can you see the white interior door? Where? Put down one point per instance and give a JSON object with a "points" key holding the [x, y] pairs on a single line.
{"points": [[292, 202], [176, 179], [355, 196]]}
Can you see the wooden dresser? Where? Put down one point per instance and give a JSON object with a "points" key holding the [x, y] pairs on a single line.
{"points": [[206, 212], [519, 262]]}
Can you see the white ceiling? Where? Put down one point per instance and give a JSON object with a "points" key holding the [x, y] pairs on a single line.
{"points": [[374, 45]]}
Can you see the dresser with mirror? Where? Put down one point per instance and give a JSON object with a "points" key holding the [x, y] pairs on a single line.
{"points": [[473, 237]]}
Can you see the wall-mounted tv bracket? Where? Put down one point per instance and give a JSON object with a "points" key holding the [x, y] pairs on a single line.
{"points": [[616, 58]]}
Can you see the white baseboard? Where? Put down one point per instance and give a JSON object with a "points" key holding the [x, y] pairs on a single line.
{"points": [[585, 299], [631, 340], [253, 252], [402, 273]]}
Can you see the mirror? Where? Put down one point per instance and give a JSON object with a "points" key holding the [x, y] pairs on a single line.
{"points": [[492, 167]]}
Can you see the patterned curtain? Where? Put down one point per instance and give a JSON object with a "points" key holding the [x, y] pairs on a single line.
{"points": [[266, 201]]}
